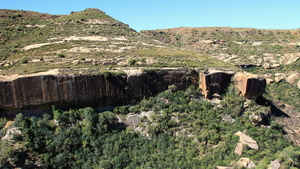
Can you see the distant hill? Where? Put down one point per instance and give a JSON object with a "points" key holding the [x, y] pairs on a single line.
{"points": [[33, 42]]}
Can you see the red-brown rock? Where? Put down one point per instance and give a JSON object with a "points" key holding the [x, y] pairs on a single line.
{"points": [[214, 82], [68, 91], [251, 86]]}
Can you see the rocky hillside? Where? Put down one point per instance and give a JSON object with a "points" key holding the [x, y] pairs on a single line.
{"points": [[33, 42], [196, 97]]}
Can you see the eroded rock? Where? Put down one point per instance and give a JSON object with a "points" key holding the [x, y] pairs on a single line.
{"points": [[75, 91], [289, 58], [250, 85], [214, 82]]}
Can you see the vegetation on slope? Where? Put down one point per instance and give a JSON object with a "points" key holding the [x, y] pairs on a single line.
{"points": [[182, 132]]}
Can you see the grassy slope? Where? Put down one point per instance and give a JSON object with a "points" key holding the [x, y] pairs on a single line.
{"points": [[15, 35]]}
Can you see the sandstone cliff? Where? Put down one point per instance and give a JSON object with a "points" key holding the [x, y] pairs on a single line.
{"points": [[251, 86], [88, 90], [214, 82]]}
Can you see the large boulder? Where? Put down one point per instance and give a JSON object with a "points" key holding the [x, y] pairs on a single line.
{"points": [[292, 78], [213, 82], [250, 85], [245, 139]]}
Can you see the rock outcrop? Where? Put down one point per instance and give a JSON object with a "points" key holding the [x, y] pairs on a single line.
{"points": [[289, 58], [88, 90], [214, 82], [251, 86]]}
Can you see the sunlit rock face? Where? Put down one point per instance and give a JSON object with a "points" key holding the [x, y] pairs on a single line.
{"points": [[250, 86]]}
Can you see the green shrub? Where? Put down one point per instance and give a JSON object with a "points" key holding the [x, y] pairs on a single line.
{"points": [[60, 55], [25, 60], [132, 62]]}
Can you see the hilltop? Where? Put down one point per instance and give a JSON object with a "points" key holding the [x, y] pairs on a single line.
{"points": [[34, 42]]}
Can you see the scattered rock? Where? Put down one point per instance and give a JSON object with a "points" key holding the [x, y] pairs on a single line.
{"points": [[279, 77], [274, 165], [269, 81], [132, 120], [292, 78], [250, 85], [228, 118], [289, 58], [239, 149], [245, 139], [11, 132], [267, 66], [245, 162], [222, 167], [7, 124], [247, 103], [215, 101]]}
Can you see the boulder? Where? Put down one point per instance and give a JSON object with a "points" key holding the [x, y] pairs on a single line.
{"points": [[279, 77], [269, 81], [292, 78], [245, 162], [132, 120], [222, 167], [214, 82], [239, 149], [10, 133], [250, 85], [228, 118], [267, 65], [245, 139], [274, 165]]}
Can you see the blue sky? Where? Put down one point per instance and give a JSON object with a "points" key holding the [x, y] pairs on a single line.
{"points": [[159, 14]]}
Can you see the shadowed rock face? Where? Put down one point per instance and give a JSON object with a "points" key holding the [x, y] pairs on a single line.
{"points": [[68, 91], [251, 86], [215, 82], [36, 94]]}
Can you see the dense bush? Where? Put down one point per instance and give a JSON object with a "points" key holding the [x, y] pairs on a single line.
{"points": [[183, 131]]}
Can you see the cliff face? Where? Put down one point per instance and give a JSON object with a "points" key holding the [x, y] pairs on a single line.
{"points": [[88, 90], [214, 82], [251, 86]]}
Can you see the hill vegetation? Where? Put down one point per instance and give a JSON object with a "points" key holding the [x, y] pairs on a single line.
{"points": [[181, 132], [175, 129]]}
